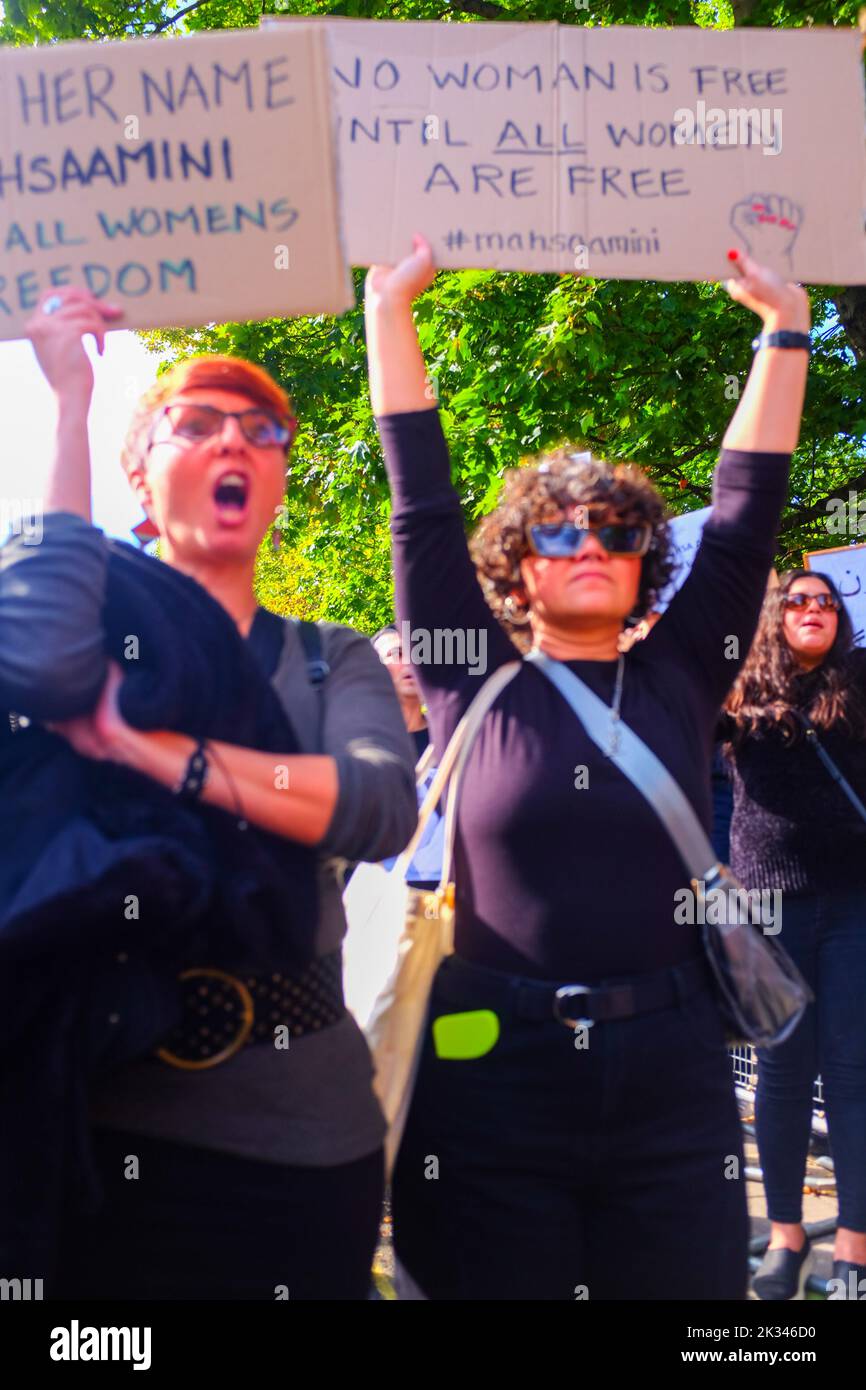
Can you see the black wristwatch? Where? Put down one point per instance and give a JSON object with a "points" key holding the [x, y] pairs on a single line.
{"points": [[782, 338]]}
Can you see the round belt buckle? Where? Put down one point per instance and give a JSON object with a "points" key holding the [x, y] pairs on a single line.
{"points": [[192, 1033], [565, 993]]}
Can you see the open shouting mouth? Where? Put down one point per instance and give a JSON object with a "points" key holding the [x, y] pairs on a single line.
{"points": [[231, 496]]}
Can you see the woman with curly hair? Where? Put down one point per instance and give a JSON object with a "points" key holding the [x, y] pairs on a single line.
{"points": [[794, 829], [574, 1124]]}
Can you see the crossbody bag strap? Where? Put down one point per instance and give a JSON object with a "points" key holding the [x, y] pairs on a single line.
{"points": [[639, 764], [843, 784], [423, 765], [474, 716], [458, 748]]}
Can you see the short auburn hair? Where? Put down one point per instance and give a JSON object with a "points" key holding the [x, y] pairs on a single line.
{"points": [[196, 373]]}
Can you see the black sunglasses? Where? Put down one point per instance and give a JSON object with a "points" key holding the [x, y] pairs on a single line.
{"points": [[197, 422], [560, 539]]}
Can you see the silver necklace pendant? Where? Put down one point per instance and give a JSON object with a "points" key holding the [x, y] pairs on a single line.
{"points": [[614, 742]]}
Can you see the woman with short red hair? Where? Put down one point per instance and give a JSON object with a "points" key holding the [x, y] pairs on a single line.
{"points": [[277, 753]]}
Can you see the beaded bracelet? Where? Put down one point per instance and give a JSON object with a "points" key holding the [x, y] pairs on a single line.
{"points": [[195, 773]]}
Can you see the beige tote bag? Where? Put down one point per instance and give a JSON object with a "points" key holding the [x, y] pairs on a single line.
{"points": [[398, 935]]}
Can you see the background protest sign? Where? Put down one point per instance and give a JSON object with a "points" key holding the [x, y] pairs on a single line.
{"points": [[191, 180], [513, 146], [846, 566], [686, 531]]}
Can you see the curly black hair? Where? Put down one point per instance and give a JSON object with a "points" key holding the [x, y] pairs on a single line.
{"points": [[542, 492]]}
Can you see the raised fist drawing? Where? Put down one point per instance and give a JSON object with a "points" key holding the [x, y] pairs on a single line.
{"points": [[767, 224]]}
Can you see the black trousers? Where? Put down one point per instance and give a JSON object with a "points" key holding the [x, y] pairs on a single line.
{"points": [[546, 1170], [199, 1224], [824, 934]]}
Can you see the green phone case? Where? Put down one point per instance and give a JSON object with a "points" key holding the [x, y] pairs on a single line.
{"points": [[460, 1037]]}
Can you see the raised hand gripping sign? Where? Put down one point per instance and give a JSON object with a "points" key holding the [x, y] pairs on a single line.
{"points": [[190, 180], [615, 152]]}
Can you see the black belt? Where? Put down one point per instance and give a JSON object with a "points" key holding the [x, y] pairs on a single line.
{"points": [[577, 1004], [223, 1012]]}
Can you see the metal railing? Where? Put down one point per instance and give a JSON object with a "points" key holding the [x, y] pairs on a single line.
{"points": [[745, 1065]]}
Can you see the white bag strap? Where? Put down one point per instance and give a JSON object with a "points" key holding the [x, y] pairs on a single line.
{"points": [[475, 714], [640, 764], [459, 745]]}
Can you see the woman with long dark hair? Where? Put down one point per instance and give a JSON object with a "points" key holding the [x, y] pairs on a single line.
{"points": [[187, 1105], [574, 1130], [794, 829]]}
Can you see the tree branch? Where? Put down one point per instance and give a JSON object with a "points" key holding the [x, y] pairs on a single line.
{"points": [[484, 8], [172, 19], [662, 470], [851, 307], [819, 509]]}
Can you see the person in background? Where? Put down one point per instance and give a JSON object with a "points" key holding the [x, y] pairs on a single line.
{"points": [[426, 865], [389, 648], [720, 778], [723, 802], [795, 830]]}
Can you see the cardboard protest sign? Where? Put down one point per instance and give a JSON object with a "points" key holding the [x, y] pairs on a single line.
{"points": [[191, 180], [686, 531], [614, 151], [846, 566]]}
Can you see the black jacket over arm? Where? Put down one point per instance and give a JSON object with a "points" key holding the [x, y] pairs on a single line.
{"points": [[99, 861]]}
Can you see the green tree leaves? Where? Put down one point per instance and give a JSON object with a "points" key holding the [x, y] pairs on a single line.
{"points": [[634, 370]]}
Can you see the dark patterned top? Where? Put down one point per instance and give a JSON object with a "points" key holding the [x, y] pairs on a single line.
{"points": [[792, 826]]}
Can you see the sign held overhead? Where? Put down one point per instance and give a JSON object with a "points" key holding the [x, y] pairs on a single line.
{"points": [[190, 180], [615, 151]]}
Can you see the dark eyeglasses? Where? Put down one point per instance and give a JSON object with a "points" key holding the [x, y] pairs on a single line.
{"points": [[801, 601], [196, 422], [560, 539]]}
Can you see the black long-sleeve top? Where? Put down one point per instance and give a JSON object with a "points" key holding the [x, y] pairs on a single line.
{"points": [[552, 880], [792, 827]]}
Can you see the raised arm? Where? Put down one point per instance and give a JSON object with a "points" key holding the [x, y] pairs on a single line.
{"points": [[398, 376], [712, 619], [767, 418], [52, 585], [454, 638], [56, 329]]}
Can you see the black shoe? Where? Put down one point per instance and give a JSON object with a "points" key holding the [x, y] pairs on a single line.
{"points": [[849, 1281], [782, 1274]]}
